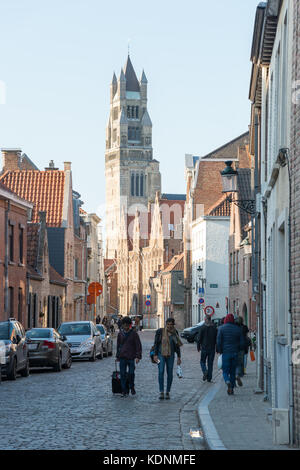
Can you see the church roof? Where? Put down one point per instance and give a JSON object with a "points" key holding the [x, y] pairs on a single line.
{"points": [[146, 121], [132, 83]]}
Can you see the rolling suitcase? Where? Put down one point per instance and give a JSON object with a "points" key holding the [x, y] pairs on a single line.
{"points": [[116, 381]]}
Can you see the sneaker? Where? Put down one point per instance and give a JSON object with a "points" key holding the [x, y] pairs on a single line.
{"points": [[205, 376], [133, 392], [162, 396], [240, 383], [124, 394], [167, 396], [229, 389]]}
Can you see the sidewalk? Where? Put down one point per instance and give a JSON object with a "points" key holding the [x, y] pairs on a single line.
{"points": [[239, 421]]}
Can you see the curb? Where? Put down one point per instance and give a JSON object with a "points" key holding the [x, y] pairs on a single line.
{"points": [[210, 433]]}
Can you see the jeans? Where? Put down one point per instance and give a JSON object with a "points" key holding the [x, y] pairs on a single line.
{"points": [[245, 361], [229, 365], [207, 355], [124, 363], [169, 363]]}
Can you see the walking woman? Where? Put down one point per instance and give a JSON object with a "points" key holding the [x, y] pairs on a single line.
{"points": [[166, 344]]}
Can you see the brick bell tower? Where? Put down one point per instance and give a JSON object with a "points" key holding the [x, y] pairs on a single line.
{"points": [[132, 175]]}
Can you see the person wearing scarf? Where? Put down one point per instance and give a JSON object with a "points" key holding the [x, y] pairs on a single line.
{"points": [[166, 344]]}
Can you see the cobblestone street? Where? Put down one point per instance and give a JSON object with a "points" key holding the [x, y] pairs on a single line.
{"points": [[75, 409]]}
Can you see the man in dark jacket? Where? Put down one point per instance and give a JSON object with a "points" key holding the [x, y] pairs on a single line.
{"points": [[206, 342], [129, 349], [230, 341]]}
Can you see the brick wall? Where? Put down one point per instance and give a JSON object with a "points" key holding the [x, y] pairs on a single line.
{"points": [[295, 217], [16, 270]]}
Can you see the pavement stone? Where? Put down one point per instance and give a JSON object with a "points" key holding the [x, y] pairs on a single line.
{"points": [[75, 408], [239, 421]]}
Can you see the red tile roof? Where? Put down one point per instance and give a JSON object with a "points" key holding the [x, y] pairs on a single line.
{"points": [[176, 264], [221, 208], [44, 188]]}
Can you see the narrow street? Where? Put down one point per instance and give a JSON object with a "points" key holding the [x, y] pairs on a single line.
{"points": [[75, 409]]}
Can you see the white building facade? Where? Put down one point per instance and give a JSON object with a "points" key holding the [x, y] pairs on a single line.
{"points": [[210, 271]]}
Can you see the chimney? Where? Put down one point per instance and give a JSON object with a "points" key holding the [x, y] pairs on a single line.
{"points": [[67, 166], [11, 159]]}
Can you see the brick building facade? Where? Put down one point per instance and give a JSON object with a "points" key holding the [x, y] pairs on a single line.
{"points": [[14, 215]]}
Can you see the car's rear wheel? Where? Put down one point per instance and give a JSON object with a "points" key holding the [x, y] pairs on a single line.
{"points": [[12, 372], [25, 372], [190, 340], [58, 365]]}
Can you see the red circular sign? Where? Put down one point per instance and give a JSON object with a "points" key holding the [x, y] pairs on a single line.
{"points": [[95, 288], [209, 310], [148, 303]]}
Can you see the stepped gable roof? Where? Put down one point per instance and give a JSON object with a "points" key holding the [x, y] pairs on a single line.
{"points": [[221, 207], [176, 264], [43, 188], [132, 83]]}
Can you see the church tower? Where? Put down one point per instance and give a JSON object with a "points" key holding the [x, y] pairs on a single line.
{"points": [[132, 175]]}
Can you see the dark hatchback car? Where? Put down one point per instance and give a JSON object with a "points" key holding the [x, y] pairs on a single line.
{"points": [[190, 334], [14, 356], [47, 348]]}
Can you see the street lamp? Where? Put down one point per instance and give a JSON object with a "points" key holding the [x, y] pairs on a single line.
{"points": [[229, 182]]}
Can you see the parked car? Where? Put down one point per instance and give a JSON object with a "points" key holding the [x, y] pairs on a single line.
{"points": [[15, 359], [106, 340], [83, 338], [47, 348], [191, 333]]}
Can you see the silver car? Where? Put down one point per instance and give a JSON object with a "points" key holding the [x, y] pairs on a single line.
{"points": [[47, 348], [106, 340], [83, 338]]}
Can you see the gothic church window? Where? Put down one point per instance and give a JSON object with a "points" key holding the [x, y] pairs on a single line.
{"points": [[142, 185], [137, 184], [133, 133], [132, 184]]}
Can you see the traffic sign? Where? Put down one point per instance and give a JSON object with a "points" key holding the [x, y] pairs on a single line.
{"points": [[95, 288], [209, 310], [148, 303], [201, 300]]}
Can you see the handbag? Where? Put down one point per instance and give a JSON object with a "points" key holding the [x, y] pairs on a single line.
{"points": [[252, 355], [179, 372], [220, 362]]}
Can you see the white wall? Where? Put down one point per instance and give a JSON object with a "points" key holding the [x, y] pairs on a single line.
{"points": [[210, 251]]}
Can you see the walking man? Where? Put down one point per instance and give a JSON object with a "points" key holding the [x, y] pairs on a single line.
{"points": [[230, 341], [206, 342], [129, 352], [166, 344]]}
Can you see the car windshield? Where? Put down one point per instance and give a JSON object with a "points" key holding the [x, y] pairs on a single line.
{"points": [[72, 329], [38, 333], [101, 329], [4, 331]]}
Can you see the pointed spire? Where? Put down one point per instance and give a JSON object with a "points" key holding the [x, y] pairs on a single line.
{"points": [[114, 79], [144, 78], [132, 83], [122, 77]]}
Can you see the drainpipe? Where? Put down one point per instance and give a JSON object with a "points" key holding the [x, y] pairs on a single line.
{"points": [[6, 260], [256, 284]]}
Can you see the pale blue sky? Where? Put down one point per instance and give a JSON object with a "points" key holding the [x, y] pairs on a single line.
{"points": [[57, 59]]}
